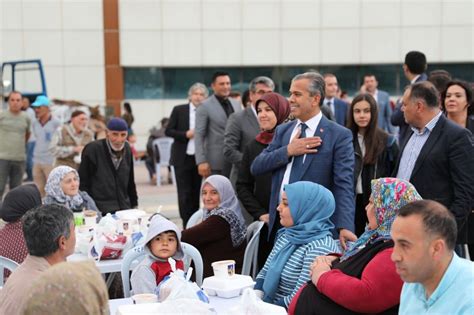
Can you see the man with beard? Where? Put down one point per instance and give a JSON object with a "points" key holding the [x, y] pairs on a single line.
{"points": [[106, 170]]}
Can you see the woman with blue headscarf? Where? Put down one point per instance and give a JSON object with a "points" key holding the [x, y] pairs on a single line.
{"points": [[305, 211], [363, 280]]}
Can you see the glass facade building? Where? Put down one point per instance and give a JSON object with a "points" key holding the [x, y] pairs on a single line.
{"points": [[173, 83]]}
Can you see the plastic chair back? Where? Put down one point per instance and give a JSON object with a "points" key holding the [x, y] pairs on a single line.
{"points": [[137, 254], [192, 253], [6, 263], [196, 218], [163, 146], [250, 264]]}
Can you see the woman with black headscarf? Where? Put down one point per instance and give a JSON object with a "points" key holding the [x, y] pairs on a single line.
{"points": [[14, 206]]}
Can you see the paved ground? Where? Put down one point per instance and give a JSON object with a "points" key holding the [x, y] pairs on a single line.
{"points": [[151, 197]]}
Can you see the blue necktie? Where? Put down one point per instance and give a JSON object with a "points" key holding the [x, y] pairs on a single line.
{"points": [[297, 167]]}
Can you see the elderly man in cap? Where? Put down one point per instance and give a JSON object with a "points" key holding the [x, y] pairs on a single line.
{"points": [[14, 132], [106, 170]]}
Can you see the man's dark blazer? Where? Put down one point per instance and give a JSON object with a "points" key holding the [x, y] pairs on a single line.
{"points": [[332, 166], [177, 127], [341, 109], [444, 170]]}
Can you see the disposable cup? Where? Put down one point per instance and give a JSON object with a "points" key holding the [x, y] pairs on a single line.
{"points": [[224, 268]]}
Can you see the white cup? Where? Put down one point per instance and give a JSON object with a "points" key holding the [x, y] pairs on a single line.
{"points": [[90, 218], [144, 298], [126, 227], [224, 268]]}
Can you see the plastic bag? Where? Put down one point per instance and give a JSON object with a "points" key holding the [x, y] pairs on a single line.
{"points": [[107, 246], [83, 241], [251, 304], [177, 286]]}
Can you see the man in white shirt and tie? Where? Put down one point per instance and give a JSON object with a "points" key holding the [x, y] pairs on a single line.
{"points": [[181, 128]]}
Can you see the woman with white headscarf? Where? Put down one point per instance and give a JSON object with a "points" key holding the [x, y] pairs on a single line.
{"points": [[221, 234], [62, 188]]}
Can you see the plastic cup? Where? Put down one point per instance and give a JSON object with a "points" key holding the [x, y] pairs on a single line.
{"points": [[224, 268], [90, 217], [78, 219]]}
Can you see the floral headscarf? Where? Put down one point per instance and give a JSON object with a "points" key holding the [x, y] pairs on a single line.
{"points": [[68, 288], [228, 209], [389, 195], [54, 192]]}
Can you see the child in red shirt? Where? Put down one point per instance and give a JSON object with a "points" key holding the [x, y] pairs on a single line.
{"points": [[162, 242]]}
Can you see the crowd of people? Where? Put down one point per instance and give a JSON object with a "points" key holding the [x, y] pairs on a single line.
{"points": [[367, 206]]}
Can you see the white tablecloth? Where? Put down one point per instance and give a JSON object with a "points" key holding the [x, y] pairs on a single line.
{"points": [[105, 266], [221, 305]]}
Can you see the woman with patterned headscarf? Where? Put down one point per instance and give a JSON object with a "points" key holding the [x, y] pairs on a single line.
{"points": [[305, 211], [62, 188], [364, 279], [73, 288], [254, 191], [221, 234]]}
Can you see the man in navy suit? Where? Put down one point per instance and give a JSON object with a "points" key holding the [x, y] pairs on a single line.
{"points": [[311, 148], [181, 127], [414, 69], [338, 107], [383, 103]]}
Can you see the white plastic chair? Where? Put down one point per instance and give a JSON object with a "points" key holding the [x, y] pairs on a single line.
{"points": [[250, 264], [196, 218], [137, 254], [6, 263], [191, 253], [163, 146]]}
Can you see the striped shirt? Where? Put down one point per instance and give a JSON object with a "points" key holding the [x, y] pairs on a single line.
{"points": [[297, 268], [413, 148]]}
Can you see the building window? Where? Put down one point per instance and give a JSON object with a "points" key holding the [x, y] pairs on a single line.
{"points": [[173, 83]]}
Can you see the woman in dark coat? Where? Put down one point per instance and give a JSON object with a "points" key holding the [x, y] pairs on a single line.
{"points": [[375, 152], [458, 105], [221, 234], [15, 204], [254, 191]]}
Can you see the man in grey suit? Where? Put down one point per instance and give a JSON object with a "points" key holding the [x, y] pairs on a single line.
{"points": [[211, 119], [243, 126], [383, 103]]}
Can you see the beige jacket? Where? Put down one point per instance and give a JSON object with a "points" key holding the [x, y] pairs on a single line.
{"points": [[12, 296]]}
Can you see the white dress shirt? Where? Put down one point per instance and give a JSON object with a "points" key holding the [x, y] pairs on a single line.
{"points": [[191, 149], [312, 124]]}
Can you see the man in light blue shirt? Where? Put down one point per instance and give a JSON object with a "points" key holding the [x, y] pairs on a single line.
{"points": [[437, 281]]}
